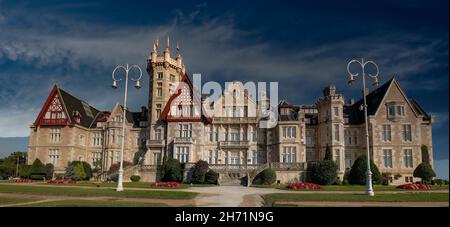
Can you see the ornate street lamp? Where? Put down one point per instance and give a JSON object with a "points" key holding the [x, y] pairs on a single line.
{"points": [[351, 80], [137, 86]]}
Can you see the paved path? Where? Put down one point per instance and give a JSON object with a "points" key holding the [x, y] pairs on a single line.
{"points": [[234, 196]]}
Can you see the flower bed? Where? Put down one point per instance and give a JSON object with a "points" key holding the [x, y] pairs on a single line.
{"points": [[308, 186], [62, 181], [414, 187], [23, 181], [166, 184]]}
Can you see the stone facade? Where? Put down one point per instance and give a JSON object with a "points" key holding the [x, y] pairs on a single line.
{"points": [[228, 136]]}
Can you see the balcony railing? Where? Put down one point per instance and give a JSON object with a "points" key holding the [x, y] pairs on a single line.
{"points": [[184, 140], [228, 120], [114, 124], [234, 144], [288, 166], [54, 122], [155, 143]]}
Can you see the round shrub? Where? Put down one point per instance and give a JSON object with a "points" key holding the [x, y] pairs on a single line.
{"points": [[211, 177], [322, 172], [266, 177], [135, 178], [424, 171], [357, 175], [172, 171], [198, 172], [78, 170], [37, 170]]}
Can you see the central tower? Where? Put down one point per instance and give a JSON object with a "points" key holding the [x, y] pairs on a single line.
{"points": [[164, 72]]}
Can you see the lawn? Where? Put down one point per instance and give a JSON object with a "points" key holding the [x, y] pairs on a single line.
{"points": [[94, 203], [129, 185], [349, 187], [9, 200], [403, 197], [42, 190]]}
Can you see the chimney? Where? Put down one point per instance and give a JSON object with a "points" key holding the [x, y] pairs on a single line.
{"points": [[351, 101]]}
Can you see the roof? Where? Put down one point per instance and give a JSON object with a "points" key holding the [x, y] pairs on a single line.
{"points": [[70, 105], [374, 100]]}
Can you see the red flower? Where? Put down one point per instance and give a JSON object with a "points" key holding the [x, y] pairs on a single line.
{"points": [[308, 186], [166, 184], [414, 187]]}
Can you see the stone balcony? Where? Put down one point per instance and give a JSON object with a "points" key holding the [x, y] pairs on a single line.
{"points": [[155, 143], [298, 166], [183, 140], [235, 120], [234, 144]]}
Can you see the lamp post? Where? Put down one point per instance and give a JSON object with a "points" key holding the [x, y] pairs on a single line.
{"points": [[137, 86], [374, 77]]}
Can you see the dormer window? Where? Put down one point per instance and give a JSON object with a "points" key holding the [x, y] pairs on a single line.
{"points": [[395, 110], [285, 111]]}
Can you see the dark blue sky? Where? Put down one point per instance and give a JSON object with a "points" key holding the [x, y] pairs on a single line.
{"points": [[304, 45]]}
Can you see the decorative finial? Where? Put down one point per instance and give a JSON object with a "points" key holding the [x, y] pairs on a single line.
{"points": [[168, 41], [157, 42]]}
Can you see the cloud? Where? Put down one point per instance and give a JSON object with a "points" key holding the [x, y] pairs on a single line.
{"points": [[79, 55]]}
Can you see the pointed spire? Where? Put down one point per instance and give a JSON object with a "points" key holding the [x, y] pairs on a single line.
{"points": [[168, 41], [154, 47], [157, 42]]}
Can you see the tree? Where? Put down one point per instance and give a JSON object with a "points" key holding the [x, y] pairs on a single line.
{"points": [[211, 177], [322, 172], [78, 170], [49, 169], [358, 171], [425, 154], [199, 171], [328, 154], [172, 171], [37, 170], [267, 177], [424, 171]]}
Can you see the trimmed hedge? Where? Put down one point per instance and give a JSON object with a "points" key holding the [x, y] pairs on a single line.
{"points": [[135, 178], [211, 177], [322, 172], [357, 175], [172, 171], [424, 171]]}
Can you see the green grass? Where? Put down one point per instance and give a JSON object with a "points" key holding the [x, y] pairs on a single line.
{"points": [[128, 185], [94, 203], [348, 187], [9, 200], [41, 190], [403, 197]]}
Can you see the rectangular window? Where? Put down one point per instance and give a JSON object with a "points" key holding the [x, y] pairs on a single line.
{"points": [[158, 134], [213, 157], [254, 135], [336, 111], [172, 78], [254, 157], [53, 155], [55, 135], [337, 158], [348, 160], [309, 137], [347, 137], [96, 159], [82, 140], [387, 158], [407, 133], [336, 132], [160, 75], [289, 132], [158, 110], [289, 155], [183, 154], [234, 134], [355, 137], [386, 133], [408, 158], [97, 139], [309, 155], [185, 130]]}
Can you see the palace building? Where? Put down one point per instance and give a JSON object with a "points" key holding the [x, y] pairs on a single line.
{"points": [[229, 137]]}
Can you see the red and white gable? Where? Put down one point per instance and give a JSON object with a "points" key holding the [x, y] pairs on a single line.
{"points": [[53, 111], [183, 105]]}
